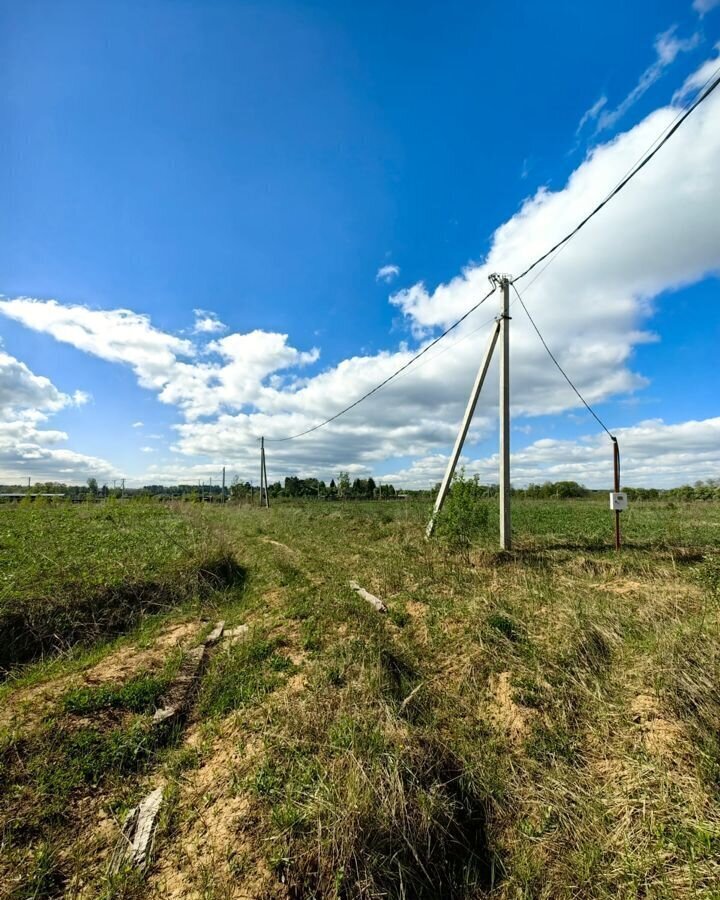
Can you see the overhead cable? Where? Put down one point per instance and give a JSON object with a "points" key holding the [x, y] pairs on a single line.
{"points": [[560, 368], [657, 145], [390, 377], [625, 181]]}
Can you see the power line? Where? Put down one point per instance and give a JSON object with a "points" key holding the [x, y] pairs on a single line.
{"points": [[390, 377], [624, 182], [560, 368], [654, 149], [554, 255]]}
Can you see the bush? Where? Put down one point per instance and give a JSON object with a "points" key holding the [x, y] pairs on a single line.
{"points": [[465, 517]]}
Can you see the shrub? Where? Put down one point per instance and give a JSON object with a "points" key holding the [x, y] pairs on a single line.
{"points": [[465, 516]]}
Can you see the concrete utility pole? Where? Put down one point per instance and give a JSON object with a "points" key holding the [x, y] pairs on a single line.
{"points": [[501, 330], [222, 496], [263, 476], [505, 526]]}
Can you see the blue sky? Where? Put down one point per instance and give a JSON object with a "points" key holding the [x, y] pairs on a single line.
{"points": [[263, 162]]}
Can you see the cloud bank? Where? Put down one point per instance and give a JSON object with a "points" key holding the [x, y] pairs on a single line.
{"points": [[594, 304], [27, 447]]}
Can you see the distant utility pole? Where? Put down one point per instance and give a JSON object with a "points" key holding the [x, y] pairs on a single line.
{"points": [[222, 496], [264, 499], [501, 330], [122, 491]]}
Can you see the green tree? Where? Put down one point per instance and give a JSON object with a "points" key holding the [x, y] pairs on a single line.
{"points": [[343, 484]]}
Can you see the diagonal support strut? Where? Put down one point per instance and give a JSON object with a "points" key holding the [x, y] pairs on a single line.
{"points": [[467, 418]]}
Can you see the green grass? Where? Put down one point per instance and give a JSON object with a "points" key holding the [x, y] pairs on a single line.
{"points": [[242, 675], [77, 574], [140, 693], [539, 723]]}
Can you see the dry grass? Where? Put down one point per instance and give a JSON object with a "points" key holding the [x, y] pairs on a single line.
{"points": [[537, 724]]}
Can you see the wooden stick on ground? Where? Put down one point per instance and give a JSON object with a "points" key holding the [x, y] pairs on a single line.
{"points": [[371, 598], [134, 845]]}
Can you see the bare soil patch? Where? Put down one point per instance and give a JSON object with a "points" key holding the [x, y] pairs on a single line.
{"points": [[27, 706]]}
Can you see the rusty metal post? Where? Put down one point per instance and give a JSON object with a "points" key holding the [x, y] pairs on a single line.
{"points": [[616, 466]]}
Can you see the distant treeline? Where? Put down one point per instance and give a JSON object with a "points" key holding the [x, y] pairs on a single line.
{"points": [[345, 488], [243, 491], [701, 490], [342, 489], [569, 490]]}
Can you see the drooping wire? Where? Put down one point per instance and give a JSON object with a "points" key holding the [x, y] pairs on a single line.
{"points": [[390, 377], [554, 255], [625, 181], [552, 252], [560, 368]]}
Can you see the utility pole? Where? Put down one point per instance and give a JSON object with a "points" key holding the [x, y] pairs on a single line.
{"points": [[262, 468], [501, 330], [263, 476], [122, 491], [222, 496], [505, 524], [616, 482]]}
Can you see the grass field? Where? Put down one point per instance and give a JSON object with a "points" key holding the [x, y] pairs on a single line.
{"points": [[541, 723]]}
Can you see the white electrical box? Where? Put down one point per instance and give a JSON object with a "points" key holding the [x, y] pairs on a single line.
{"points": [[618, 500]]}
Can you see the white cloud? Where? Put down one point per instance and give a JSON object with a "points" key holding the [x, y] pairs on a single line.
{"points": [[28, 451], [387, 273], [138, 424], [22, 389], [207, 322], [654, 454], [594, 305], [147, 449], [592, 113], [118, 335], [26, 447], [161, 361], [702, 7], [699, 78], [667, 48]]}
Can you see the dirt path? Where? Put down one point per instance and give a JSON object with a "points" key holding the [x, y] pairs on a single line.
{"points": [[25, 707]]}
